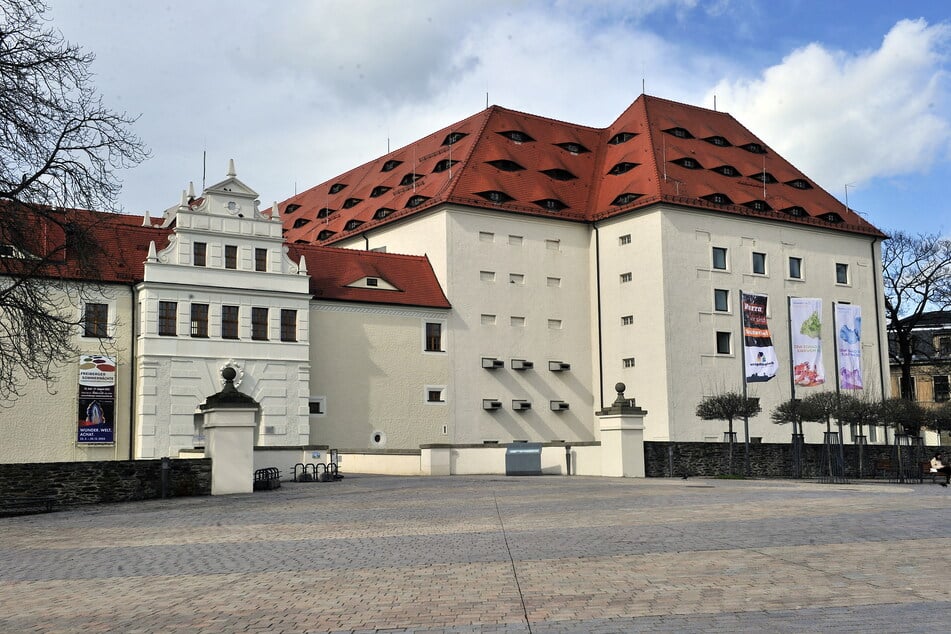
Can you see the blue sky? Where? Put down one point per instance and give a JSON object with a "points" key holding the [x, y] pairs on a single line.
{"points": [[852, 93]]}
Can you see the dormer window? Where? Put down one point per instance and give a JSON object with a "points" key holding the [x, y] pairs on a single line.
{"points": [[689, 163], [378, 191], [300, 222], [517, 135], [505, 165], [416, 201], [382, 213], [352, 224], [726, 170], [453, 137], [754, 148], [718, 141], [831, 217], [680, 133], [573, 148], [625, 199], [410, 178], [325, 211], [764, 177], [495, 196], [351, 202], [799, 183], [326, 233], [622, 167], [559, 174], [621, 137], [796, 212], [758, 205], [443, 165], [550, 204], [390, 165], [336, 188], [372, 281], [718, 199], [291, 208]]}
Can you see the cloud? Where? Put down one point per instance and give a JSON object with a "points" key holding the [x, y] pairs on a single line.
{"points": [[853, 117]]}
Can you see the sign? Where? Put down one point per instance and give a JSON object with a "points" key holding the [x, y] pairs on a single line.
{"points": [[760, 356], [848, 324], [805, 328], [97, 399]]}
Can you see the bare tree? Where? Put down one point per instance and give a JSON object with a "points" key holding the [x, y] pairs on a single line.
{"points": [[728, 406], [59, 150], [917, 276]]}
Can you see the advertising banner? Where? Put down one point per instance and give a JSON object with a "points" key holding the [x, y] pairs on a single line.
{"points": [[97, 399], [760, 356], [805, 328], [848, 328]]}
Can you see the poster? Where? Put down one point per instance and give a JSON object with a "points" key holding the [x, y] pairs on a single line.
{"points": [[805, 327], [97, 399], [848, 329], [760, 356]]}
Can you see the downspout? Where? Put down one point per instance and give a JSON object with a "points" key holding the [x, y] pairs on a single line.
{"points": [[135, 362], [597, 272], [366, 241], [878, 329]]}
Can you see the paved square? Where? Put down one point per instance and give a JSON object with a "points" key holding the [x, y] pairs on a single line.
{"points": [[490, 554]]}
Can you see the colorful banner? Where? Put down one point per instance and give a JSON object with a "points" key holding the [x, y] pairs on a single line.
{"points": [[848, 328], [97, 399], [805, 327], [760, 356]]}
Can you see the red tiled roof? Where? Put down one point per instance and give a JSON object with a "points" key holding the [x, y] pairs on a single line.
{"points": [[584, 186]]}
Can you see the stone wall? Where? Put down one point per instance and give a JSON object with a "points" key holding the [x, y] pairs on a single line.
{"points": [[73, 483], [774, 460]]}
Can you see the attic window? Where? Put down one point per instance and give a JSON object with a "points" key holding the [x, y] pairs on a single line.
{"points": [[831, 217], [506, 165], [372, 281], [291, 208], [443, 165], [301, 241], [410, 178], [326, 233], [689, 163], [718, 199], [495, 196], [378, 191], [622, 168], [390, 165], [382, 213], [717, 140], [351, 202], [764, 177], [551, 204], [336, 188], [559, 174], [625, 199], [352, 224], [797, 212], [754, 148], [726, 170], [758, 205], [453, 137], [574, 148], [325, 211], [416, 201], [799, 183], [300, 222], [680, 133], [621, 137], [516, 135]]}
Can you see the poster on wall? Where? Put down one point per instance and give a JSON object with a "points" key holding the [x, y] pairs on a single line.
{"points": [[97, 399], [848, 328], [805, 328], [757, 343]]}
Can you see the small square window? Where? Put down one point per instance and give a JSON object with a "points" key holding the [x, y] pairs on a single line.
{"points": [[486, 236], [554, 324], [719, 258], [96, 320], [841, 273], [488, 320], [628, 362], [626, 277], [721, 300], [625, 239], [317, 406], [260, 259], [487, 276], [231, 256], [554, 282], [627, 320], [516, 278], [372, 281], [517, 321], [759, 263], [515, 241], [553, 245], [795, 268], [199, 253], [434, 394], [723, 343]]}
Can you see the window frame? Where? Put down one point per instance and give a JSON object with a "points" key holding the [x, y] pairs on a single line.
{"points": [[627, 320], [226, 333], [434, 343], [842, 267], [758, 263], [259, 327], [439, 390], [260, 260], [167, 319], [624, 240], [945, 390], [288, 325], [320, 402], [789, 267], [725, 251], [198, 320], [722, 335], [725, 294], [199, 254], [231, 256], [98, 326], [626, 277]]}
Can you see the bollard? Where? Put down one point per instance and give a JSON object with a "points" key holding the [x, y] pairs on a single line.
{"points": [[166, 467], [567, 459]]}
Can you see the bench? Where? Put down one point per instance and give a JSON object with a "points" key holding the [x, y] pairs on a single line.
{"points": [[267, 478], [926, 472], [883, 467], [26, 505]]}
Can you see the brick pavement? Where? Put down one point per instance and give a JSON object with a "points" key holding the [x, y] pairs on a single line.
{"points": [[490, 554]]}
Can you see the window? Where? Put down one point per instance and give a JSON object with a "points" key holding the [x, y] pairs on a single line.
{"points": [[553, 245], [260, 259], [515, 241], [516, 278], [199, 321], [841, 273], [517, 321], [554, 282], [627, 320], [486, 236], [96, 321], [488, 320], [759, 263], [289, 324], [317, 405], [433, 337], [487, 276], [719, 258], [795, 268], [229, 322], [625, 239], [907, 389], [721, 300], [554, 324], [372, 281], [723, 342], [199, 251], [259, 323], [628, 362], [231, 256], [943, 345], [942, 390], [168, 315], [626, 277], [435, 393]]}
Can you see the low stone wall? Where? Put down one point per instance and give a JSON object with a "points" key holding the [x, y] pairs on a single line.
{"points": [[773, 460], [72, 483]]}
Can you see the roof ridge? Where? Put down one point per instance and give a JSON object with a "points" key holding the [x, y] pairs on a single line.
{"points": [[360, 252]]}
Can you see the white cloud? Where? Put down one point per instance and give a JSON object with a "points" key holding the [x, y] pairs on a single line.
{"points": [[852, 117]]}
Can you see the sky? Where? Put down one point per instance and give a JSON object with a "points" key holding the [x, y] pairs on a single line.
{"points": [[856, 94]]}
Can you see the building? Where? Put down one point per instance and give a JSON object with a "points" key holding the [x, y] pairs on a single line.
{"points": [[930, 364]]}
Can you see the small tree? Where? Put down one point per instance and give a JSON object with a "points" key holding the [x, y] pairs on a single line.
{"points": [[904, 415], [789, 412], [728, 406], [858, 411], [820, 407]]}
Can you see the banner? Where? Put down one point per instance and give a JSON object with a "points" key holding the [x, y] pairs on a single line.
{"points": [[97, 399], [805, 328], [848, 328], [760, 357]]}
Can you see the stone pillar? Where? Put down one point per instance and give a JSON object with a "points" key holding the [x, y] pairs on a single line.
{"points": [[622, 437], [435, 460], [230, 418]]}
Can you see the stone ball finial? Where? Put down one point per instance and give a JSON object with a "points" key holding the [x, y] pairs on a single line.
{"points": [[229, 374], [619, 388]]}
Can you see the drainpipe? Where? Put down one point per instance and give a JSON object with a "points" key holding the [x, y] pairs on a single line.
{"points": [[878, 328], [366, 241], [597, 266], [135, 362]]}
